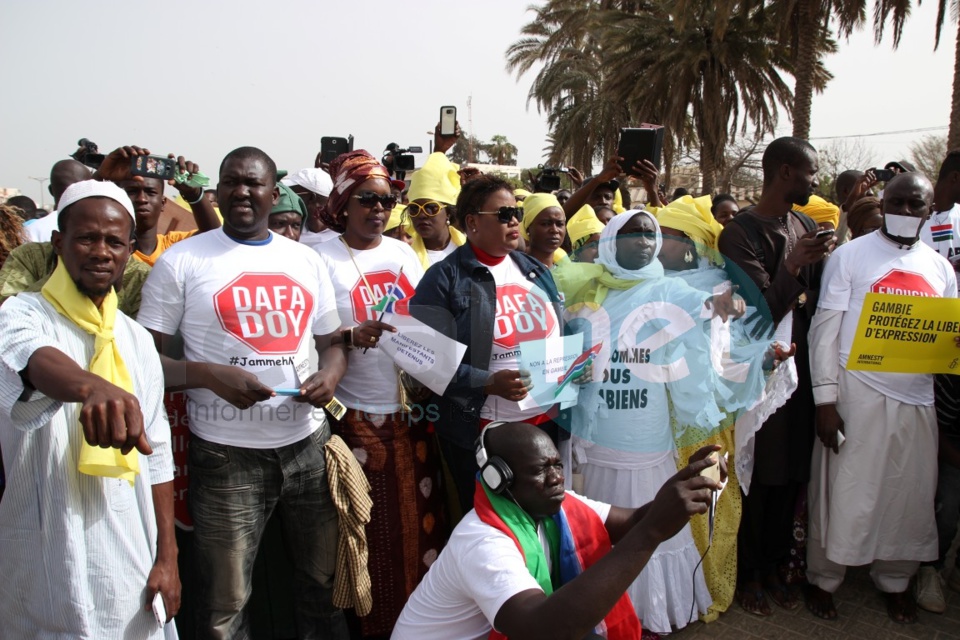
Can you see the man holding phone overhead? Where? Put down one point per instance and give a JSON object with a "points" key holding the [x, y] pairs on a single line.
{"points": [[247, 302]]}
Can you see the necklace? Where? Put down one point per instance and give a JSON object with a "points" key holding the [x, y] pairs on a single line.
{"points": [[785, 227]]}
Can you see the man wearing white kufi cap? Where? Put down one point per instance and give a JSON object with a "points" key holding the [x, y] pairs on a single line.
{"points": [[86, 524], [313, 186]]}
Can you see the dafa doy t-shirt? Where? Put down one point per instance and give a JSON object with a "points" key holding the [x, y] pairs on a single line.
{"points": [[253, 305]]}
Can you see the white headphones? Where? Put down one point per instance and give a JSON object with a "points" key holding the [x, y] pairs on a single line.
{"points": [[493, 469]]}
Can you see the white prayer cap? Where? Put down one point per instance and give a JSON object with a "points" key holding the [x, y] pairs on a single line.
{"points": [[315, 180], [96, 189]]}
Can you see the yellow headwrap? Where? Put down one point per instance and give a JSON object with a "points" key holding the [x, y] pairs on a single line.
{"points": [[532, 206], [520, 193], [436, 180], [61, 292], [617, 205], [583, 224], [396, 217], [692, 216], [820, 210]]}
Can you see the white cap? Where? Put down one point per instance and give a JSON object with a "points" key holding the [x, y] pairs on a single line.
{"points": [[316, 180], [95, 189]]}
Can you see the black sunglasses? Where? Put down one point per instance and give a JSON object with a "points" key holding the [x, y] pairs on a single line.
{"points": [[368, 200], [505, 214]]}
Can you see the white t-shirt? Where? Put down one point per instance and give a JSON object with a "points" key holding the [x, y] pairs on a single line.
{"points": [[256, 306], [476, 573], [312, 239], [942, 233], [41, 228], [874, 264], [433, 257], [370, 382], [524, 313]]}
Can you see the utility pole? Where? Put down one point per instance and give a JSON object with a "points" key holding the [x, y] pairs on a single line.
{"points": [[470, 128], [41, 181]]}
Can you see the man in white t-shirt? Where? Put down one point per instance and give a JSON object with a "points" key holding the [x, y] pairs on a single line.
{"points": [[482, 581], [942, 232], [247, 303], [871, 493]]}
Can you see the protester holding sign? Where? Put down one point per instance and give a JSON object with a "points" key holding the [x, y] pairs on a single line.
{"points": [[374, 277], [873, 476], [490, 297]]}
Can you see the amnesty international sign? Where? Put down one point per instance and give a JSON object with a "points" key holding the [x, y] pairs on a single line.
{"points": [[906, 334]]}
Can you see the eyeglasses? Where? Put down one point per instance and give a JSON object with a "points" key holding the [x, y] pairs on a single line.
{"points": [[505, 214], [429, 209], [369, 200]]}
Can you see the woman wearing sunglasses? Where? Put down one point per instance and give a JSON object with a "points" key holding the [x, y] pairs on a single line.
{"points": [[433, 191], [372, 275], [490, 297]]}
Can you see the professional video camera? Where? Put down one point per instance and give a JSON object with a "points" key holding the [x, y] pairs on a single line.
{"points": [[548, 180], [88, 154], [398, 161]]}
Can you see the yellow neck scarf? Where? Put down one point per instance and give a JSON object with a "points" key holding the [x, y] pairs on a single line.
{"points": [[62, 293], [456, 237]]}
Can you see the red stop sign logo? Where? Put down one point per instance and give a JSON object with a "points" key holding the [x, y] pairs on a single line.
{"points": [[363, 300], [904, 283], [268, 312], [521, 316]]}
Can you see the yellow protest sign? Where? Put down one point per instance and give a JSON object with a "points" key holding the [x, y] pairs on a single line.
{"points": [[906, 334]]}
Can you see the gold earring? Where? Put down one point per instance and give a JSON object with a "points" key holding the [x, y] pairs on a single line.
{"points": [[688, 256]]}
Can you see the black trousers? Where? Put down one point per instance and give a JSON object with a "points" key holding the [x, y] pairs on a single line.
{"points": [[766, 529]]}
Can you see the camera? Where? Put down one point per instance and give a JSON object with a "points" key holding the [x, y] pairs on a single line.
{"points": [[398, 160], [88, 154], [548, 180]]}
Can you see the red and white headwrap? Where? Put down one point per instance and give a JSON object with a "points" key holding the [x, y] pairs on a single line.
{"points": [[349, 170]]}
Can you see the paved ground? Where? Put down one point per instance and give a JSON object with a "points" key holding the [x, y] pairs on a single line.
{"points": [[862, 615]]}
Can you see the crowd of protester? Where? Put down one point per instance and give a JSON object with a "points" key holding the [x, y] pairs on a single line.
{"points": [[717, 336]]}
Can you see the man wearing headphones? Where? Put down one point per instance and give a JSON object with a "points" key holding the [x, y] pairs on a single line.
{"points": [[506, 562]]}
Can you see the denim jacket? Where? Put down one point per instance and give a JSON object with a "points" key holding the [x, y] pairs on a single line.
{"points": [[458, 297]]}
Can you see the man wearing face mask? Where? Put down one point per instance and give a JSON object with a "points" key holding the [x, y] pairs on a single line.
{"points": [[873, 476]]}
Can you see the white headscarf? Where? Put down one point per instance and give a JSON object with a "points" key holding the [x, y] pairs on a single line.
{"points": [[608, 249], [316, 180], [96, 189]]}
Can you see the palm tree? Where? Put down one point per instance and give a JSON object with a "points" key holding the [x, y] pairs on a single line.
{"points": [[953, 135], [722, 72], [501, 151], [584, 117]]}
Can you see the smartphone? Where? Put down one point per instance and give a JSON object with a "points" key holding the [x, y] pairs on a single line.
{"points": [[712, 472], [448, 121], [159, 610], [332, 146], [153, 167], [640, 143], [824, 233], [287, 392], [883, 175]]}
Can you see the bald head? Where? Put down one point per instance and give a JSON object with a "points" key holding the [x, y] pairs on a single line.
{"points": [[512, 439], [65, 173], [907, 185]]}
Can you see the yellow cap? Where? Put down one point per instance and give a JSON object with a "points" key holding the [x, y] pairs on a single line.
{"points": [[436, 180]]}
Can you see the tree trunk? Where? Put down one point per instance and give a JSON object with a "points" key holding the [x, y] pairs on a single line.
{"points": [[808, 30], [953, 137], [708, 168]]}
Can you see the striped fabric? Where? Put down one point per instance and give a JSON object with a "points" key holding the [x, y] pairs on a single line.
{"points": [[75, 550], [350, 491], [941, 232]]}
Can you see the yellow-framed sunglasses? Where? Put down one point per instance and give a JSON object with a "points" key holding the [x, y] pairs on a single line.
{"points": [[430, 209]]}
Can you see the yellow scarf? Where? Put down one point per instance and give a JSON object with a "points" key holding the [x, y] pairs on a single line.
{"points": [[456, 237], [62, 293], [587, 284]]}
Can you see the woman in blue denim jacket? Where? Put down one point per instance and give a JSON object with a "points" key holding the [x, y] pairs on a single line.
{"points": [[490, 297]]}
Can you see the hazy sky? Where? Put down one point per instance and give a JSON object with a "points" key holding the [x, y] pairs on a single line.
{"points": [[201, 78]]}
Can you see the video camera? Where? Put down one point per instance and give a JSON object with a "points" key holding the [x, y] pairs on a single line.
{"points": [[548, 180], [398, 161], [88, 154]]}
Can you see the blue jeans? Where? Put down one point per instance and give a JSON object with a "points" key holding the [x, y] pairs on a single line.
{"points": [[947, 507], [233, 492]]}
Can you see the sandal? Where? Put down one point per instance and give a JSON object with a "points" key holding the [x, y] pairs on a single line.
{"points": [[784, 596], [753, 600], [820, 603], [901, 608]]}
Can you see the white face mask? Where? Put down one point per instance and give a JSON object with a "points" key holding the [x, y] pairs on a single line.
{"points": [[902, 226]]}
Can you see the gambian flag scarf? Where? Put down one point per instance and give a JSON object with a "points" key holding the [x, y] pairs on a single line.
{"points": [[577, 537]]}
